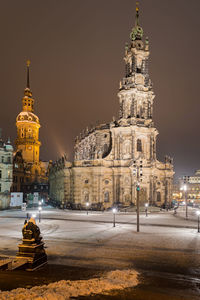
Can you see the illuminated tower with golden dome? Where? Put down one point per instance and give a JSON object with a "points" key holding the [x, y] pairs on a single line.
{"points": [[28, 127], [29, 173]]}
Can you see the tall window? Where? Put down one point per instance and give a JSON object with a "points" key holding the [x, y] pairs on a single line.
{"points": [[2, 159], [158, 196], [0, 187], [139, 145], [0, 174], [106, 196]]}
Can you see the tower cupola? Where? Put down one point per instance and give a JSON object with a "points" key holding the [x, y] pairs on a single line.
{"points": [[137, 31]]}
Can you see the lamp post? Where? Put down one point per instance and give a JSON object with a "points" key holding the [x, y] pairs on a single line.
{"points": [[186, 206], [146, 209], [87, 205], [114, 212], [137, 172], [39, 210], [198, 227]]}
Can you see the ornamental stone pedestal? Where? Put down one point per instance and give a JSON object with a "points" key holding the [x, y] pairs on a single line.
{"points": [[32, 247]]}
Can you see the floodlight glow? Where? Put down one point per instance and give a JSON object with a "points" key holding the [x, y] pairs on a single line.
{"points": [[185, 187], [114, 210], [146, 204], [87, 203], [183, 202], [39, 208], [33, 216], [198, 212]]}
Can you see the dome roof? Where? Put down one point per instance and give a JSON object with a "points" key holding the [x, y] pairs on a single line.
{"points": [[27, 116]]}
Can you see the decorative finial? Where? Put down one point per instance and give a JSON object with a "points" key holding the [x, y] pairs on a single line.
{"points": [[137, 6], [28, 62], [137, 13], [137, 31]]}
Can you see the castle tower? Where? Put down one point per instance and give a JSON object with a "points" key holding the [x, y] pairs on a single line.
{"points": [[28, 127]]}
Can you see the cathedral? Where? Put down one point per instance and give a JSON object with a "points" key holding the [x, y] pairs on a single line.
{"points": [[112, 160], [29, 173]]}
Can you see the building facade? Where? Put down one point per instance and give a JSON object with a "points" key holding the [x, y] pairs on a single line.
{"points": [[111, 159], [29, 173], [6, 170], [192, 184]]}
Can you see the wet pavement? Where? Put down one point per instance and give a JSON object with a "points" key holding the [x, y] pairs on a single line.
{"points": [[157, 279]]}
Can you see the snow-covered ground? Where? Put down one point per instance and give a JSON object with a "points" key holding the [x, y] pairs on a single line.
{"points": [[165, 242], [62, 290], [163, 218], [81, 239]]}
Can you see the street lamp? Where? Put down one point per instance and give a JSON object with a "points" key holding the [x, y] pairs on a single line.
{"points": [[39, 210], [186, 206], [146, 209], [198, 214], [137, 172], [114, 210], [87, 205]]}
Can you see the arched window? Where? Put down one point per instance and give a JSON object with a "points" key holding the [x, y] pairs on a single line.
{"points": [[106, 196], [158, 197], [139, 145]]}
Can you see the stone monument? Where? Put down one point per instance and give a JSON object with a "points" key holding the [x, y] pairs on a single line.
{"points": [[32, 247]]}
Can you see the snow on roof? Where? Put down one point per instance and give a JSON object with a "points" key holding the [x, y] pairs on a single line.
{"points": [[27, 116]]}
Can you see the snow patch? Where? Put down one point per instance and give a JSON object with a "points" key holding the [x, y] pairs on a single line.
{"points": [[62, 290]]}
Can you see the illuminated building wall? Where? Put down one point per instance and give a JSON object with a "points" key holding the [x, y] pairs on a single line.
{"points": [[103, 172], [6, 170]]}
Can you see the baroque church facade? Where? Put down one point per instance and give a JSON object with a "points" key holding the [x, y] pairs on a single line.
{"points": [[112, 159], [6, 170], [29, 173]]}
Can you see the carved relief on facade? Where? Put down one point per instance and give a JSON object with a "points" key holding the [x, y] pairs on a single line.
{"points": [[85, 195]]}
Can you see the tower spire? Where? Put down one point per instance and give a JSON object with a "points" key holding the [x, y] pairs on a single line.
{"points": [[27, 100], [28, 62], [137, 14], [137, 31]]}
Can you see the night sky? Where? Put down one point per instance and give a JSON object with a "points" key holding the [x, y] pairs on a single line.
{"points": [[76, 49]]}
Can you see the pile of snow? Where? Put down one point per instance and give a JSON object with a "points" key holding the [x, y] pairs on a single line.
{"points": [[62, 290]]}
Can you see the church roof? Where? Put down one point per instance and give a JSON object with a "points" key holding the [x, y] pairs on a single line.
{"points": [[27, 116]]}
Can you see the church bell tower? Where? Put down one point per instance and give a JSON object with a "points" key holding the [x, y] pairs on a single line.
{"points": [[136, 94]]}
